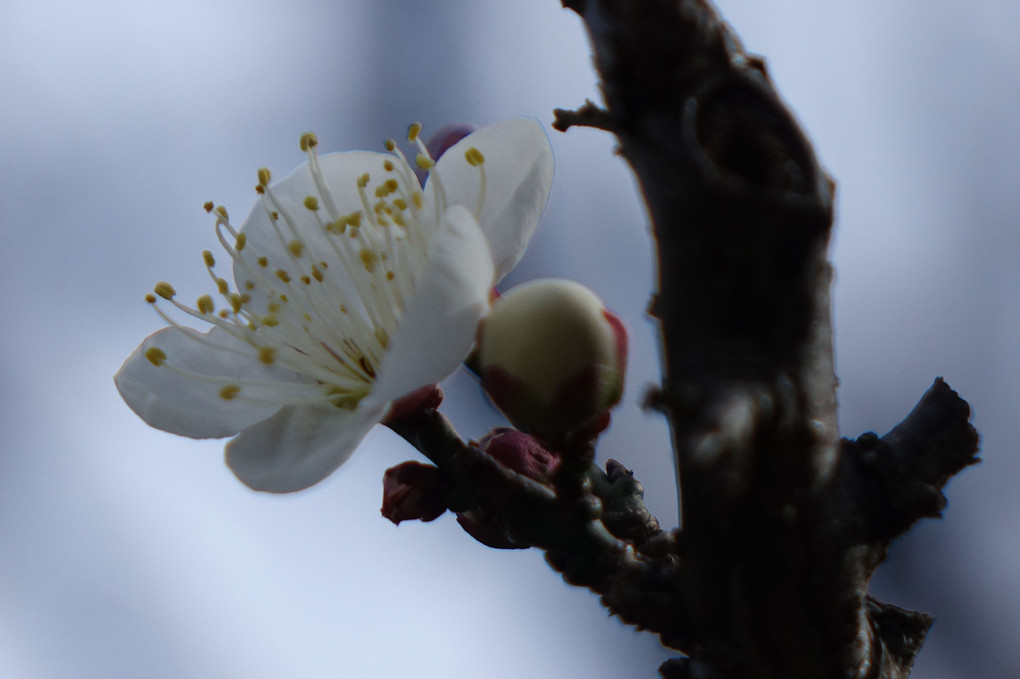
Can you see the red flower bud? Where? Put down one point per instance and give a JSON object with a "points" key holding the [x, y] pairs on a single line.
{"points": [[520, 452], [412, 491]]}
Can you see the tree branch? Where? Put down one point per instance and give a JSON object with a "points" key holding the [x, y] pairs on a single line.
{"points": [[780, 531]]}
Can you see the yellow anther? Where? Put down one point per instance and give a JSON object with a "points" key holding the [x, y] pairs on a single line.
{"points": [[418, 201], [474, 157], [398, 218], [241, 241], [156, 356], [296, 247], [273, 307], [343, 309], [228, 392], [208, 206], [263, 261], [388, 165], [249, 285], [165, 290], [222, 286], [317, 274], [283, 298], [208, 258], [400, 203], [205, 304], [363, 181], [259, 189], [264, 176], [390, 145], [150, 298], [368, 259], [283, 275], [309, 141], [222, 212], [274, 215], [424, 162], [413, 131], [235, 302], [267, 355], [306, 280], [245, 298], [338, 227], [390, 275], [270, 320], [312, 203], [223, 313], [354, 219]]}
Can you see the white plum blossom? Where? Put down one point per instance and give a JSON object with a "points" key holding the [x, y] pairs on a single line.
{"points": [[352, 287]]}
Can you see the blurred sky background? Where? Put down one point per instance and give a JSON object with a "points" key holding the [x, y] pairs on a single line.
{"points": [[127, 552]]}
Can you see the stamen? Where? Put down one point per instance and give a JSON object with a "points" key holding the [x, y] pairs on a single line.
{"points": [[165, 290], [156, 356], [309, 141], [205, 304], [228, 392], [475, 158]]}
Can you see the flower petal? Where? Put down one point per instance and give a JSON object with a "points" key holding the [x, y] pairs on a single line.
{"points": [[190, 406], [518, 176], [450, 296], [299, 446], [286, 197]]}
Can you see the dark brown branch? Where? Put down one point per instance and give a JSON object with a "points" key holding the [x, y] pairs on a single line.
{"points": [[783, 524], [904, 471], [602, 538]]}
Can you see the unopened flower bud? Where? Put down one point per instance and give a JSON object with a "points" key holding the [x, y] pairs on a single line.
{"points": [[412, 491], [551, 357], [520, 452]]}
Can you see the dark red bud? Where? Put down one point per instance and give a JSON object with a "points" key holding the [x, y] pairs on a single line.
{"points": [[520, 452], [412, 491]]}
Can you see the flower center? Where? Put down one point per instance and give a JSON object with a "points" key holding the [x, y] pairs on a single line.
{"points": [[319, 291]]}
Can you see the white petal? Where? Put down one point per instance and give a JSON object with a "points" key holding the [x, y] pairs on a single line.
{"points": [[340, 172], [518, 175], [299, 446], [191, 407], [438, 327]]}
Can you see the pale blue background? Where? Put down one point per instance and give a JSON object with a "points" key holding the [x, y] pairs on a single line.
{"points": [[125, 552]]}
